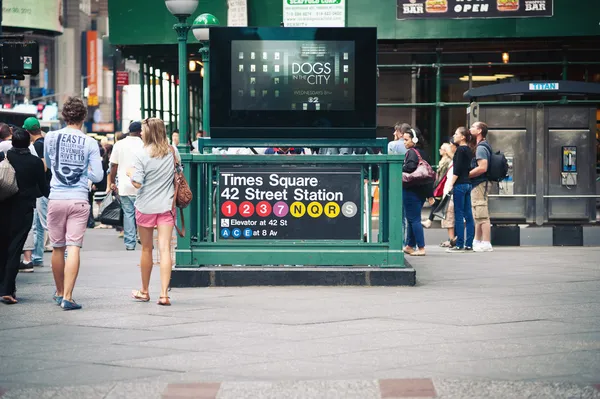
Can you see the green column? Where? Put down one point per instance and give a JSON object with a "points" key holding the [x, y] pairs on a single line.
{"points": [[142, 77], [176, 104], [148, 91], [206, 88], [171, 103], [438, 110], [182, 32], [395, 255], [162, 95]]}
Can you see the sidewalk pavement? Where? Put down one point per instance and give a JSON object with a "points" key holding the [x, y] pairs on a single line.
{"points": [[515, 323]]}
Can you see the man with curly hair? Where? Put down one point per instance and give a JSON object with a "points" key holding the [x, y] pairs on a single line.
{"points": [[74, 158]]}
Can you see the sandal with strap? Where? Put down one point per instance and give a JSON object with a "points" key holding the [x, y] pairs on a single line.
{"points": [[9, 300], [446, 244], [164, 301], [140, 296]]}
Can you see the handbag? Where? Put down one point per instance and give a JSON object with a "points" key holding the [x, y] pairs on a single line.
{"points": [[422, 175], [110, 211], [8, 179], [439, 189], [183, 195], [442, 208]]}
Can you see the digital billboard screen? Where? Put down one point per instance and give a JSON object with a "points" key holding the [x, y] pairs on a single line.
{"points": [[306, 82], [292, 75]]}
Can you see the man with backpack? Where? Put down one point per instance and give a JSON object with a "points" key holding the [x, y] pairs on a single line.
{"points": [[480, 184]]}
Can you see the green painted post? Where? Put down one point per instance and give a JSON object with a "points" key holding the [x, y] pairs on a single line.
{"points": [[171, 103], [162, 95], [565, 70], [395, 254], [176, 105], [149, 90], [182, 29], [438, 100], [153, 82], [206, 89], [142, 77]]}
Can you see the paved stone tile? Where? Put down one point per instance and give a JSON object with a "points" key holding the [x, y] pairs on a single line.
{"points": [[193, 361], [15, 365], [468, 389], [82, 374], [100, 354], [29, 393], [525, 367], [201, 390], [344, 389], [407, 388]]}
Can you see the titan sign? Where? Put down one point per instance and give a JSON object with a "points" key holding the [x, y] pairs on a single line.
{"points": [[34, 14]]}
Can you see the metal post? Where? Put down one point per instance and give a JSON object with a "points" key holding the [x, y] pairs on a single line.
{"points": [[171, 112], [149, 90], [153, 82], [394, 215], [162, 95], [182, 29], [176, 104], [438, 98], [142, 77], [115, 90], [206, 88], [565, 71]]}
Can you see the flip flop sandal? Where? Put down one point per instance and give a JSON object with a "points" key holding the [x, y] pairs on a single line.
{"points": [[445, 244], [9, 300], [164, 301], [140, 296]]}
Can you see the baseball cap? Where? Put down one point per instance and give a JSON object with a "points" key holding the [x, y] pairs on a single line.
{"points": [[31, 124], [135, 127]]}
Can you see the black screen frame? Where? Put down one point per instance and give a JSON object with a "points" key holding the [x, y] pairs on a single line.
{"points": [[361, 122]]}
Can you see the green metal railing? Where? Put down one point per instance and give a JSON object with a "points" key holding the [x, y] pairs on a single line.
{"points": [[201, 247]]}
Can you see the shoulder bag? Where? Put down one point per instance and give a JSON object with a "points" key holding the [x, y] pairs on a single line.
{"points": [[183, 195], [8, 179], [422, 175]]}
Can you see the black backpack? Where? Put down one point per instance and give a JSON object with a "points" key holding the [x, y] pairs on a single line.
{"points": [[498, 165]]}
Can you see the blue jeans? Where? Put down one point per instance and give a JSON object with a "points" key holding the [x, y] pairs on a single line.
{"points": [[463, 214], [412, 211], [129, 228], [39, 224]]}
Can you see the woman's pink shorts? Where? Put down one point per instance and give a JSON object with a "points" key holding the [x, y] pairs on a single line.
{"points": [[154, 219]]}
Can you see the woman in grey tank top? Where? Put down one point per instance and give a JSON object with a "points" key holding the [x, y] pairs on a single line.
{"points": [[153, 174]]}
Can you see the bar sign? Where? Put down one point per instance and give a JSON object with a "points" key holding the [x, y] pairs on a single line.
{"points": [[543, 86]]}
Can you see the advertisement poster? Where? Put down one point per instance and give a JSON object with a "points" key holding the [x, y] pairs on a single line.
{"points": [[33, 14], [92, 66], [237, 13], [453, 9], [292, 75], [283, 203], [314, 13]]}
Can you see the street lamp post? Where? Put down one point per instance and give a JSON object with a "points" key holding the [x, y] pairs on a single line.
{"points": [[182, 9], [200, 28]]}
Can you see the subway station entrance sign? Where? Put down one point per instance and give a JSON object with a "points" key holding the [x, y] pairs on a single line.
{"points": [[290, 203]]}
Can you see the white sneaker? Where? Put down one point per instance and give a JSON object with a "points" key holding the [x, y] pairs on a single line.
{"points": [[487, 247], [483, 247], [426, 223]]}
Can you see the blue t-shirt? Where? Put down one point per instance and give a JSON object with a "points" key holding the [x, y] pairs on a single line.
{"points": [[481, 152], [74, 158], [396, 147]]}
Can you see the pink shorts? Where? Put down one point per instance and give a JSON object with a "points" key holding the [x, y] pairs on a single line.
{"points": [[67, 221], [154, 219]]}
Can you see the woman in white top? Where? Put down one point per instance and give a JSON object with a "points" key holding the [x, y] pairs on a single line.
{"points": [[152, 173]]}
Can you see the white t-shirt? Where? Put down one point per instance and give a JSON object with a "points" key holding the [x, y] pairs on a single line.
{"points": [[123, 154], [7, 145]]}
